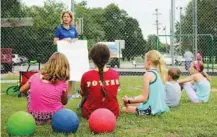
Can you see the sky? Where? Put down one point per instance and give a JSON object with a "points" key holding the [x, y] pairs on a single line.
{"points": [[142, 10]]}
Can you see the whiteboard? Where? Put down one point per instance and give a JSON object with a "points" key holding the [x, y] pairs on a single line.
{"points": [[77, 55]]}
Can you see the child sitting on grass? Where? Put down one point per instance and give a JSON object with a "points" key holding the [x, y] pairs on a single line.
{"points": [[152, 101], [47, 90], [197, 86], [99, 87], [173, 89]]}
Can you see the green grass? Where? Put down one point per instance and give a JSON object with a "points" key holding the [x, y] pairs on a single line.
{"points": [[214, 82], [193, 120]]}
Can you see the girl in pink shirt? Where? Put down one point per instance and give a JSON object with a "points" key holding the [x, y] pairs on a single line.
{"points": [[47, 90]]}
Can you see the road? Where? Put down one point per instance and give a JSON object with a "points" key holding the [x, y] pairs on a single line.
{"points": [[125, 67]]}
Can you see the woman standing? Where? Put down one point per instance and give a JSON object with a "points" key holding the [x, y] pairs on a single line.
{"points": [[66, 31]]}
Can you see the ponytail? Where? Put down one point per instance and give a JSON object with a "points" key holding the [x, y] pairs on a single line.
{"points": [[162, 69], [100, 55], [198, 65], [102, 81], [205, 75], [158, 61]]}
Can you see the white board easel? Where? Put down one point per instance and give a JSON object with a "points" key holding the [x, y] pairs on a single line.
{"points": [[77, 55]]}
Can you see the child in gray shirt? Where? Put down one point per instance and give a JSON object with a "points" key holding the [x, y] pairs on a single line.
{"points": [[173, 89]]}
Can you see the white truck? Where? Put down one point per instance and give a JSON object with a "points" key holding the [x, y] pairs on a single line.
{"points": [[115, 52]]}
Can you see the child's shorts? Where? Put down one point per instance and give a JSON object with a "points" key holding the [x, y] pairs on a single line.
{"points": [[143, 112], [42, 118]]}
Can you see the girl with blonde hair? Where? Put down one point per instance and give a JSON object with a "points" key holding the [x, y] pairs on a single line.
{"points": [[47, 90], [152, 100]]}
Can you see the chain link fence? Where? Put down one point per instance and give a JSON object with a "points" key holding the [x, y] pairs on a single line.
{"points": [[205, 47], [35, 42]]}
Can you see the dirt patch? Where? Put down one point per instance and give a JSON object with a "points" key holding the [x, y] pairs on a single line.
{"points": [[214, 89]]}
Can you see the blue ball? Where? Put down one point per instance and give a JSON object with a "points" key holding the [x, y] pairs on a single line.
{"points": [[65, 121]]}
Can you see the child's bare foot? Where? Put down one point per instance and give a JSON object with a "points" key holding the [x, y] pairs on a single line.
{"points": [[125, 100], [125, 103], [124, 109]]}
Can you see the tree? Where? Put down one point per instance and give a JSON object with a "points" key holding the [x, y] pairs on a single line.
{"points": [[118, 25], [100, 24], [11, 8], [93, 20], [113, 22], [135, 45], [207, 24], [47, 16], [152, 42], [38, 39], [109, 24]]}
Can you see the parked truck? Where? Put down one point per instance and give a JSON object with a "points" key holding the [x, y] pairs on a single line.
{"points": [[115, 53], [6, 60]]}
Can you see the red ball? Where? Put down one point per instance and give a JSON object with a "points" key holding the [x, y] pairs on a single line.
{"points": [[102, 121]]}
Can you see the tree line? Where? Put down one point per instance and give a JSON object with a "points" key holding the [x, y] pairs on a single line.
{"points": [[207, 24], [100, 24]]}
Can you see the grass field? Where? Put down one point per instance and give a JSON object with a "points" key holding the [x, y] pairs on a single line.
{"points": [[187, 120]]}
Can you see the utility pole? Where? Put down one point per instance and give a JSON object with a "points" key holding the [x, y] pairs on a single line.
{"points": [[172, 29], [73, 9], [157, 21], [195, 26], [165, 31], [180, 28], [73, 6]]}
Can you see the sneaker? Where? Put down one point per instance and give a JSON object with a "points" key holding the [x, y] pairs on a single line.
{"points": [[77, 95], [19, 94], [79, 106]]}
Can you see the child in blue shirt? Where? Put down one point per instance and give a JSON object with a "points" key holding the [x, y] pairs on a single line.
{"points": [[173, 89]]}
